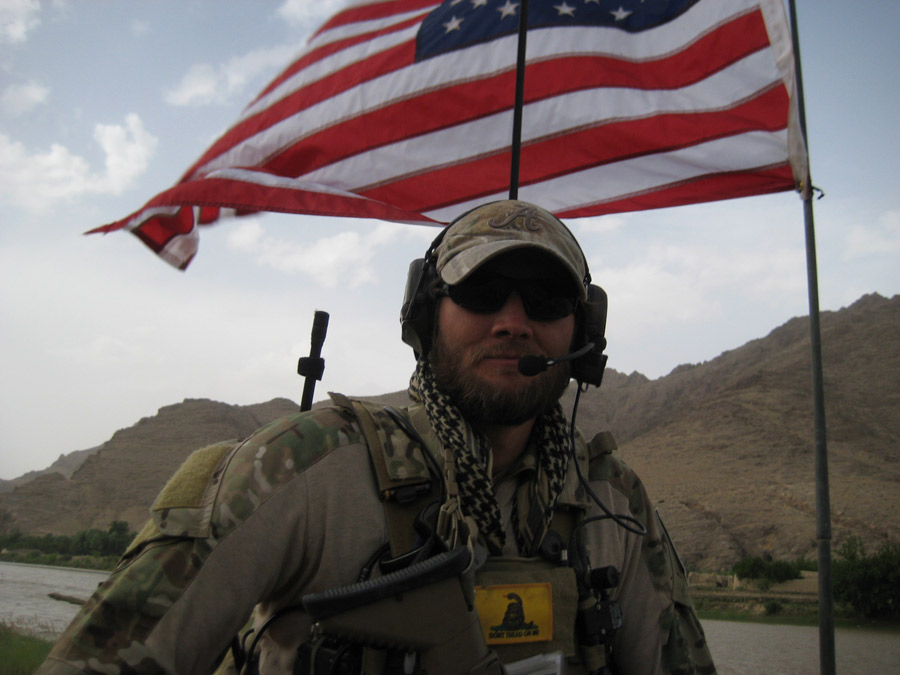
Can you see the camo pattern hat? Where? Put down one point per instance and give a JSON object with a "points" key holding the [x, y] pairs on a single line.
{"points": [[499, 227]]}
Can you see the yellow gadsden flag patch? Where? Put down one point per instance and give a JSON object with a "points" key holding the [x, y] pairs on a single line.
{"points": [[515, 613]]}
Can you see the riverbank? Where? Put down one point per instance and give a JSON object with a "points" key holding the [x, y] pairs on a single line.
{"points": [[715, 597], [742, 636], [84, 562], [792, 603]]}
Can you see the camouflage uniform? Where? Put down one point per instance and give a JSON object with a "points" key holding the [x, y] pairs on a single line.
{"points": [[295, 509]]}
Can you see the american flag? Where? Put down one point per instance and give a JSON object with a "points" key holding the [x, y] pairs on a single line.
{"points": [[402, 110]]}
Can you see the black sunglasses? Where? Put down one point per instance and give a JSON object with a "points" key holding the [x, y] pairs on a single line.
{"points": [[543, 300]]}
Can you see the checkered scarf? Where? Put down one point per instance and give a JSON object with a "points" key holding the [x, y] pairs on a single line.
{"points": [[535, 497]]}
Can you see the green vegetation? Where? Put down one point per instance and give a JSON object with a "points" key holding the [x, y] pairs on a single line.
{"points": [[767, 571], [866, 589], [869, 584], [805, 564], [21, 654], [89, 548]]}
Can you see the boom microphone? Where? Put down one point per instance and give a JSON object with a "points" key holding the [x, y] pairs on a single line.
{"points": [[533, 364]]}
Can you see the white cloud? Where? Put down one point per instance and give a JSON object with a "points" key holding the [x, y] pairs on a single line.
{"points": [[678, 284], [345, 257], [303, 13], [601, 224], [18, 99], [246, 236], [205, 84], [879, 238], [37, 181], [654, 294], [128, 151], [17, 19], [139, 27], [198, 86]]}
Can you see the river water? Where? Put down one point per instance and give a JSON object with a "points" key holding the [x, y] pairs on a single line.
{"points": [[737, 648], [24, 602]]}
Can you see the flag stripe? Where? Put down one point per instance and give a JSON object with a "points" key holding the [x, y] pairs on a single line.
{"points": [[692, 107], [763, 180], [335, 47], [449, 106], [751, 152], [444, 71], [549, 118], [455, 103], [365, 11], [227, 152], [595, 145]]}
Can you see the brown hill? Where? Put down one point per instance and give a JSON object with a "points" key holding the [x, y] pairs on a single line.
{"points": [[121, 479], [65, 464], [725, 447], [728, 446]]}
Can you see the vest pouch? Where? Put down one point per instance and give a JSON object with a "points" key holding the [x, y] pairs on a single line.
{"points": [[527, 606]]}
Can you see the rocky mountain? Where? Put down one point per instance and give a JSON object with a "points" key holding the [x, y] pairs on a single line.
{"points": [[121, 479], [65, 464], [725, 447]]}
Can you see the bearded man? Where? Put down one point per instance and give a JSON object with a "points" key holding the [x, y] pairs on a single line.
{"points": [[555, 554]]}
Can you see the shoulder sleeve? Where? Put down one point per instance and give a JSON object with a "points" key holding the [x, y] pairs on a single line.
{"points": [[685, 649], [658, 582], [216, 490]]}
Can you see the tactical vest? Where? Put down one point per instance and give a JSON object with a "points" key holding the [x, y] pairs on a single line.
{"points": [[527, 606]]}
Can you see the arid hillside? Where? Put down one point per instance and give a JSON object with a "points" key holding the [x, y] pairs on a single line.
{"points": [[725, 447], [121, 479]]}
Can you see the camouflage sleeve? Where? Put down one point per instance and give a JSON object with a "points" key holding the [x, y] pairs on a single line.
{"points": [[655, 564], [685, 650], [217, 489]]}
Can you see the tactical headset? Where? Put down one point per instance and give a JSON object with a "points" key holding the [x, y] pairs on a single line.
{"points": [[417, 314]]}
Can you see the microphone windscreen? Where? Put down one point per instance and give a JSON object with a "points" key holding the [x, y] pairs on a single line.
{"points": [[532, 365]]}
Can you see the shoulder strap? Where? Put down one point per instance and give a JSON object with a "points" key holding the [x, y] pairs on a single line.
{"points": [[603, 443], [404, 483]]}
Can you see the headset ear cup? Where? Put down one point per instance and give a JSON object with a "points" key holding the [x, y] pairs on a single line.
{"points": [[417, 311], [589, 368]]}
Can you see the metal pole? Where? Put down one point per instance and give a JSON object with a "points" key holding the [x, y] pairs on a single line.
{"points": [[823, 500], [519, 102]]}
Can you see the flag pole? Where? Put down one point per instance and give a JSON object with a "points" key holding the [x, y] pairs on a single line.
{"points": [[823, 500], [519, 102]]}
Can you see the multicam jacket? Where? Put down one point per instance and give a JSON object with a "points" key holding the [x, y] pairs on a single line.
{"points": [[244, 530]]}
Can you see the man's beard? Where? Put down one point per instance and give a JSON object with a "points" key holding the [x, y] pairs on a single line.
{"points": [[483, 403]]}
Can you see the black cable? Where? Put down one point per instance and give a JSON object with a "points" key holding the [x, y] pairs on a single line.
{"points": [[620, 520], [366, 571]]}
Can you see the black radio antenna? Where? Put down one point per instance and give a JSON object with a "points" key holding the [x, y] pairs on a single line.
{"points": [[312, 367]]}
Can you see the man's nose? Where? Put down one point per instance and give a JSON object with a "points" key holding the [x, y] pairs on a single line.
{"points": [[511, 320]]}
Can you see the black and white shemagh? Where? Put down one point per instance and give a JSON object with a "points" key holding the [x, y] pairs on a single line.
{"points": [[535, 497]]}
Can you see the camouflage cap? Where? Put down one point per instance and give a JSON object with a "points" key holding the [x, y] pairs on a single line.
{"points": [[499, 227]]}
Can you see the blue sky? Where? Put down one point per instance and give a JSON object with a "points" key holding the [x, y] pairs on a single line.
{"points": [[103, 104]]}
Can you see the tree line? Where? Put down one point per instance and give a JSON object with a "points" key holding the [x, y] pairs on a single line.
{"points": [[93, 542], [869, 583]]}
